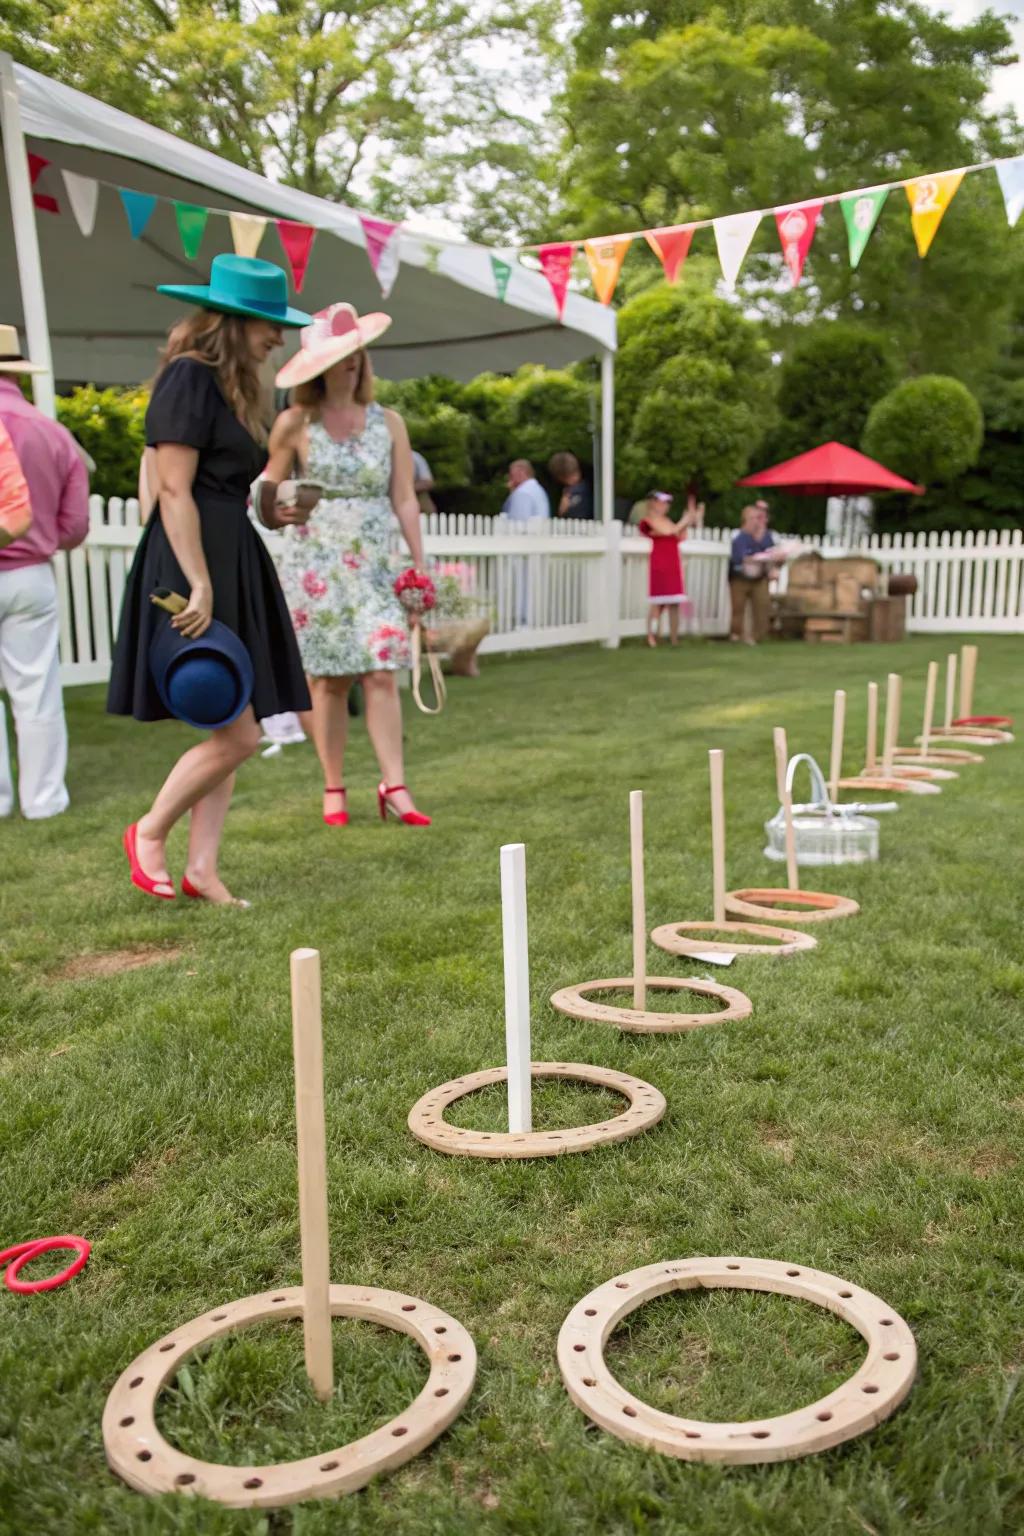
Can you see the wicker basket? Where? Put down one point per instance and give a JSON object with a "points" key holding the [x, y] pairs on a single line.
{"points": [[823, 833]]}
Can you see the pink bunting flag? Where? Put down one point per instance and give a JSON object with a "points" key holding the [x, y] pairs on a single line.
{"points": [[556, 264], [382, 247], [297, 240], [671, 246], [796, 228], [36, 166]]}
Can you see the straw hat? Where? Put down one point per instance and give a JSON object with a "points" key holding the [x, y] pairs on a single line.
{"points": [[12, 359], [242, 285], [336, 332]]}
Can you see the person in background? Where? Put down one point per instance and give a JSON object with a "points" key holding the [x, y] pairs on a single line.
{"points": [[423, 482], [753, 557], [666, 586], [58, 489], [527, 498], [576, 499]]}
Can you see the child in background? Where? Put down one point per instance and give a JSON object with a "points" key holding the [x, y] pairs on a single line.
{"points": [[666, 587]]}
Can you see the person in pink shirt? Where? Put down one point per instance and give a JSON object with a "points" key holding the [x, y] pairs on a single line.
{"points": [[58, 488]]}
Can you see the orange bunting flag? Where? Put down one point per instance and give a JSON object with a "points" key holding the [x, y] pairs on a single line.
{"points": [[671, 246], [929, 197], [556, 264], [796, 228], [605, 258]]}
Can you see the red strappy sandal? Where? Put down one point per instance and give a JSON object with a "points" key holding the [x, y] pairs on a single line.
{"points": [[408, 818], [162, 889], [337, 818]]}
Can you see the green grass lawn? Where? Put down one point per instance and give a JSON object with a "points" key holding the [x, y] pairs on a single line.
{"points": [[868, 1119]]}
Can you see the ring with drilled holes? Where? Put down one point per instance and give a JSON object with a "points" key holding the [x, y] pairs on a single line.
{"points": [[427, 1122], [936, 756], [889, 785], [874, 1391], [672, 937], [980, 735], [23, 1253], [775, 901], [140, 1455], [574, 1002]]}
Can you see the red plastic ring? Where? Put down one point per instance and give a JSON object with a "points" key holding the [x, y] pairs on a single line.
{"points": [[23, 1253], [1002, 721]]}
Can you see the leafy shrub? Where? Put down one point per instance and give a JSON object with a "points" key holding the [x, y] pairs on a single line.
{"points": [[110, 425], [928, 429], [827, 386]]}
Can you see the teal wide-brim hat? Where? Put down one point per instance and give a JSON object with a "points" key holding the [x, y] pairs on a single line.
{"points": [[242, 285]]}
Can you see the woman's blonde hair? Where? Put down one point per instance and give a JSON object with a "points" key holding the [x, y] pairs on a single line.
{"points": [[220, 341], [311, 394]]}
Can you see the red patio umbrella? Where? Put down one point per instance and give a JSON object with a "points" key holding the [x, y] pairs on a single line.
{"points": [[832, 470]]}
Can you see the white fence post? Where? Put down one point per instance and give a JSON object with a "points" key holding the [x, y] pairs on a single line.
{"points": [[613, 583]]}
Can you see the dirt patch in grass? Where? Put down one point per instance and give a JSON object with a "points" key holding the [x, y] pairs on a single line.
{"points": [[112, 962], [775, 1139], [991, 1160]]}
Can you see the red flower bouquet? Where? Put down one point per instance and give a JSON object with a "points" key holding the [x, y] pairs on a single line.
{"points": [[415, 591]]}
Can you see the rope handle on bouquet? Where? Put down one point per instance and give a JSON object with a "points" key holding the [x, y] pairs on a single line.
{"points": [[436, 675]]}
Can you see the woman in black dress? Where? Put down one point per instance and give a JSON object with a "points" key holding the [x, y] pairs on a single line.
{"points": [[204, 421]]}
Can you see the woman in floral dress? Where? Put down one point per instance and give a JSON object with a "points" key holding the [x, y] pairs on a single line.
{"points": [[337, 569]]}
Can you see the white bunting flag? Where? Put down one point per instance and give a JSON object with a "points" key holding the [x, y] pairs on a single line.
{"points": [[246, 232], [83, 195], [733, 235], [1011, 180]]}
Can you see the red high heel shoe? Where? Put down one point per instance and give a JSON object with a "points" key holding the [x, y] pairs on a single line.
{"points": [[407, 818], [337, 818], [163, 889]]}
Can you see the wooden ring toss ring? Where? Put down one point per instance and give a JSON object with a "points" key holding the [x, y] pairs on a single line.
{"points": [[639, 1019], [139, 1454], [882, 776], [427, 1122], [762, 902], [874, 1391], [672, 938]]}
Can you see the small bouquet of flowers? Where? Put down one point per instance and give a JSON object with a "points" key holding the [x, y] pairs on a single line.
{"points": [[416, 592]]}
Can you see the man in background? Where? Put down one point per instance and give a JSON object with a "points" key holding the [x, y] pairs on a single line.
{"points": [[753, 558], [58, 488], [527, 498], [576, 499]]}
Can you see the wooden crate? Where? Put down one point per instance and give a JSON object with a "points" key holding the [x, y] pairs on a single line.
{"points": [[887, 619]]}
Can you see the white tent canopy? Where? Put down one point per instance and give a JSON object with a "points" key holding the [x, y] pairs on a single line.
{"points": [[89, 305]]}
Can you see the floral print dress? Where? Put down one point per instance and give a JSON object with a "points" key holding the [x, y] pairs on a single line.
{"points": [[337, 571]]}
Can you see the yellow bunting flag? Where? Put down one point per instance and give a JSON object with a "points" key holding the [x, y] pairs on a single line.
{"points": [[604, 258], [929, 197], [246, 232]]}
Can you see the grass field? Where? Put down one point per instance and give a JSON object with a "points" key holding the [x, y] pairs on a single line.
{"points": [[867, 1120]]}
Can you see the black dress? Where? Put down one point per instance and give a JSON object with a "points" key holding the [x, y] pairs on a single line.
{"points": [[188, 407]]}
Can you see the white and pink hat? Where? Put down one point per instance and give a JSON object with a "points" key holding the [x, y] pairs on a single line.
{"points": [[336, 332]]}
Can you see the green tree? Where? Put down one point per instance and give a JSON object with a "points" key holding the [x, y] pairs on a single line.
{"points": [[928, 429], [827, 385], [110, 425]]}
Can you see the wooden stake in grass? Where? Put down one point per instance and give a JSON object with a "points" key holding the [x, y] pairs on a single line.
{"points": [[929, 706], [836, 758], [782, 753], [871, 754], [892, 722], [636, 857], [517, 986], [716, 764], [781, 763], [950, 689], [308, 1048], [968, 667]]}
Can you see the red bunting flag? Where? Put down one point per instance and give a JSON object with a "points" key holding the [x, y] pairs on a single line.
{"points": [[297, 240], [796, 228], [671, 246], [556, 264], [383, 249], [36, 166]]}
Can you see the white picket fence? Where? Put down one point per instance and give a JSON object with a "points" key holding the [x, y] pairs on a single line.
{"points": [[567, 583]]}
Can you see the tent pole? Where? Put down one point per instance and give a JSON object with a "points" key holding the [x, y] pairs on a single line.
{"points": [[26, 239], [607, 435]]}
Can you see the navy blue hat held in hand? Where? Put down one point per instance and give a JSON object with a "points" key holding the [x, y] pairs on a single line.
{"points": [[206, 682]]}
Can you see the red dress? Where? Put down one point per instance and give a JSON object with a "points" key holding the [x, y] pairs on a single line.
{"points": [[665, 572]]}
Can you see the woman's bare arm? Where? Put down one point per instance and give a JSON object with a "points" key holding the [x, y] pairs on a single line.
{"points": [[403, 491], [287, 445], [176, 470]]}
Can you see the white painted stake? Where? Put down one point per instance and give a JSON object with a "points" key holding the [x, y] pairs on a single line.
{"points": [[968, 667], [950, 689], [892, 722], [517, 986], [717, 766], [929, 706], [782, 751], [836, 759], [636, 859], [308, 1050], [871, 754]]}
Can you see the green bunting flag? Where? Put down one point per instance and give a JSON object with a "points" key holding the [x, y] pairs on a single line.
{"points": [[861, 214], [191, 223], [502, 271]]}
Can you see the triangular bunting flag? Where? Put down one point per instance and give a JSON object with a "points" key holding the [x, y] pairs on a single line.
{"points": [[191, 223], [139, 208], [861, 214], [502, 271], [36, 166], [1011, 181], [83, 195], [556, 264], [796, 228], [671, 246], [605, 258], [929, 197], [297, 240], [383, 248], [733, 235], [246, 232]]}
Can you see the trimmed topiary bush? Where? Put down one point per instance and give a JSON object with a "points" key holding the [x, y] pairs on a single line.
{"points": [[928, 429]]}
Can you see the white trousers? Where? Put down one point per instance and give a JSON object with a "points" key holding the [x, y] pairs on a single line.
{"points": [[30, 675]]}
